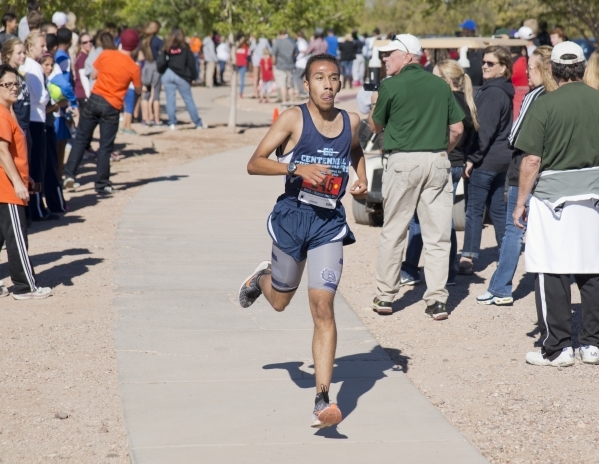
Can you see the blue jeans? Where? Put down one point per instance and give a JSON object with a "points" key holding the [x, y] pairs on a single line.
{"points": [[511, 247], [484, 188], [172, 82], [241, 70], [409, 267], [346, 67]]}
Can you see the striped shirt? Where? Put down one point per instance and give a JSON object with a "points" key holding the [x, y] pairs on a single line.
{"points": [[528, 101]]}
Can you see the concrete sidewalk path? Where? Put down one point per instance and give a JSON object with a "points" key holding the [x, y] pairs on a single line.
{"points": [[205, 381]]}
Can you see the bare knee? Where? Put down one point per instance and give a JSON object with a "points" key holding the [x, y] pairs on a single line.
{"points": [[323, 314], [280, 305]]}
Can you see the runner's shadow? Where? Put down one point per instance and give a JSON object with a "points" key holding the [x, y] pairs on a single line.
{"points": [[358, 373]]}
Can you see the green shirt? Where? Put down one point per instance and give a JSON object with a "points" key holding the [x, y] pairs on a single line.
{"points": [[416, 107], [561, 128]]}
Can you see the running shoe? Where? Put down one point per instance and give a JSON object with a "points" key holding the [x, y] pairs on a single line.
{"points": [[382, 307], [38, 294], [489, 299], [250, 290], [68, 183], [589, 354], [325, 415], [405, 279], [437, 311], [537, 358]]}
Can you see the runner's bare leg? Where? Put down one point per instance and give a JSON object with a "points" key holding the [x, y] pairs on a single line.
{"points": [[324, 341], [278, 300]]}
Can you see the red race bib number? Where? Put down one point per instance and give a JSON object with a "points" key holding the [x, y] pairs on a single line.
{"points": [[330, 186]]}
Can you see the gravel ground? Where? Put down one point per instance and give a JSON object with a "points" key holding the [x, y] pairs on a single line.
{"points": [[59, 392], [472, 365]]}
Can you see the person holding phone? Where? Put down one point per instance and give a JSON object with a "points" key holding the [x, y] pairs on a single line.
{"points": [[15, 185]]}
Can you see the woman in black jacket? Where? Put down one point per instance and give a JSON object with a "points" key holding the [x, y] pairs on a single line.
{"points": [[347, 54], [180, 72], [489, 155]]}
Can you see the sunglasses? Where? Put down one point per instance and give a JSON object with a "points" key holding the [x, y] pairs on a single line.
{"points": [[490, 64], [10, 85], [86, 42]]}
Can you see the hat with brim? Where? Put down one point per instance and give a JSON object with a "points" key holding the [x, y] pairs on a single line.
{"points": [[567, 48], [525, 33], [404, 43]]}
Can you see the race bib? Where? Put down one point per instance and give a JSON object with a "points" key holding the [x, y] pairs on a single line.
{"points": [[324, 195]]}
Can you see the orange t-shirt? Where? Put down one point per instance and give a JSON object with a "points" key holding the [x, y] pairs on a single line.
{"points": [[11, 133], [195, 45], [115, 72]]}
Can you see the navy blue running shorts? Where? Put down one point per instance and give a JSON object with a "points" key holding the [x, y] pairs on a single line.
{"points": [[296, 227]]}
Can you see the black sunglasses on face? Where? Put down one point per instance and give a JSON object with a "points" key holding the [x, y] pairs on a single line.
{"points": [[86, 42], [10, 85], [490, 64]]}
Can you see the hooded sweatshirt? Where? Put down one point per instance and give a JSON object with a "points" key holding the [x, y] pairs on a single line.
{"points": [[490, 148], [182, 62]]}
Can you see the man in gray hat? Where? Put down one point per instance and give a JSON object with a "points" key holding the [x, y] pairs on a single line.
{"points": [[422, 122], [561, 167]]}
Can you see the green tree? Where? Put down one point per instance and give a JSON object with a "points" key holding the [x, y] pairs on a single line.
{"points": [[90, 14]]}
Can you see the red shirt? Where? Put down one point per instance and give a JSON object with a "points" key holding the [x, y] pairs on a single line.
{"points": [[11, 133], [519, 76], [266, 69], [242, 55]]}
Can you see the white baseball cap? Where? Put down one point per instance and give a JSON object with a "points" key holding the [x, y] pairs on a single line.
{"points": [[405, 43], [525, 33], [59, 18], [567, 48]]}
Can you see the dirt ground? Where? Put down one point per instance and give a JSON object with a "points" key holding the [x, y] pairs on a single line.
{"points": [[57, 356]]}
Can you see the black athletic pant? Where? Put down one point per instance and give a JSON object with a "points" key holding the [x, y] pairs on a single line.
{"points": [[13, 231], [52, 185], [97, 111], [554, 309], [37, 167]]}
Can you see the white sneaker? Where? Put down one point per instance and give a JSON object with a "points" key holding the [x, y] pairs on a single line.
{"points": [[489, 299], [566, 358], [172, 127], [589, 354], [38, 294]]}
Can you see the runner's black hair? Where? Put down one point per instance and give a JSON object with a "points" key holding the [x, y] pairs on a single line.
{"points": [[322, 57], [568, 72]]}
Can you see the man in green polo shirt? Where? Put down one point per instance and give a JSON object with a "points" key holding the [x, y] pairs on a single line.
{"points": [[416, 109]]}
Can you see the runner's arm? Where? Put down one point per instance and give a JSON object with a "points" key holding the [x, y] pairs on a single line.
{"points": [[281, 131], [529, 170], [360, 187]]}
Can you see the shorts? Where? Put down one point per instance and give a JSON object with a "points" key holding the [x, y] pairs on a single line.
{"points": [[283, 79], [151, 79], [325, 266], [129, 101], [296, 227], [61, 126]]}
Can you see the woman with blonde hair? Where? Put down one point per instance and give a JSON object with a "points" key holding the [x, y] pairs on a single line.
{"points": [[541, 80], [461, 86], [150, 77], [591, 74], [13, 54], [35, 47]]}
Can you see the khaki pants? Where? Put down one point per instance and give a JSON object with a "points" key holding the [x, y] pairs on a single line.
{"points": [[418, 182], [209, 74]]}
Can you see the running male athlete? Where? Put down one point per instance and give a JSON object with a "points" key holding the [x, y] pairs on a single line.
{"points": [[315, 143]]}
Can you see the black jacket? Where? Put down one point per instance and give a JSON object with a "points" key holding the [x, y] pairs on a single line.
{"points": [[457, 155], [494, 106], [182, 62], [347, 51]]}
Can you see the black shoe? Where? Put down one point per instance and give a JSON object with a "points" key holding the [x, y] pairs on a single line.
{"points": [[48, 217], [250, 290], [104, 191], [437, 311], [382, 307]]}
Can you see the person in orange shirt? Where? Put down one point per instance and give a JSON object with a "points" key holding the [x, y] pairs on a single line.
{"points": [[114, 71], [14, 193], [195, 44]]}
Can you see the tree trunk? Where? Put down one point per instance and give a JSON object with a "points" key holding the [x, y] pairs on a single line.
{"points": [[233, 101]]}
